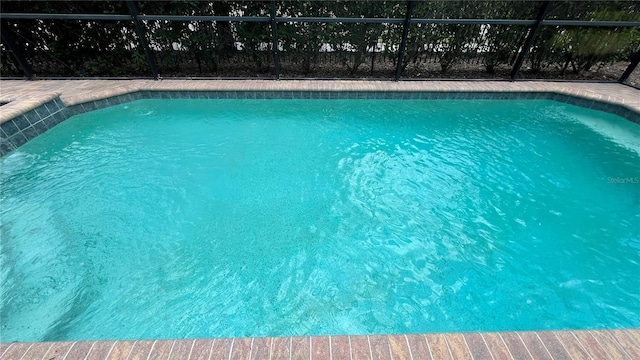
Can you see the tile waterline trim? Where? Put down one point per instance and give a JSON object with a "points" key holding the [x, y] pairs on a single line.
{"points": [[19, 130]]}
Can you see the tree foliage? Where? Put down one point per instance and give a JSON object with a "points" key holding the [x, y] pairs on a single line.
{"points": [[98, 48]]}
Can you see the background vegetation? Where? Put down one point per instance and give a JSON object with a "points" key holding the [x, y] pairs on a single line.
{"points": [[320, 50]]}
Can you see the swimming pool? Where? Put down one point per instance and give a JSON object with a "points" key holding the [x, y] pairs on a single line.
{"points": [[208, 218]]}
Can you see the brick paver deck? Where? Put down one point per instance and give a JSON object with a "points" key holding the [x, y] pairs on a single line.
{"points": [[609, 344]]}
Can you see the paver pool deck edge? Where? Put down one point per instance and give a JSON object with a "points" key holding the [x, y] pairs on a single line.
{"points": [[582, 344], [21, 96]]}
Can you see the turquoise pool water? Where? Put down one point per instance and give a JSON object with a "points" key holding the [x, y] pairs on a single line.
{"points": [[216, 218]]}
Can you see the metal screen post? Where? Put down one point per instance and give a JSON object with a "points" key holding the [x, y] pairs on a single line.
{"points": [[17, 54], [635, 59], [403, 43], [533, 32], [142, 36], [274, 38]]}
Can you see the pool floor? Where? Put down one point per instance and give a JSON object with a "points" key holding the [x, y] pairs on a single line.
{"points": [[605, 344]]}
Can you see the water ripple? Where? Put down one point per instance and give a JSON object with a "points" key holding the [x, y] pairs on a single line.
{"points": [[281, 217]]}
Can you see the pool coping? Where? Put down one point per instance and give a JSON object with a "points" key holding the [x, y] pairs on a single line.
{"points": [[25, 115], [582, 344], [22, 96]]}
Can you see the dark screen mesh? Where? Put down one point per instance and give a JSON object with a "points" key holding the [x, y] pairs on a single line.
{"points": [[595, 10], [211, 49], [79, 47], [634, 78], [8, 65], [341, 49], [450, 9], [580, 53], [205, 8], [65, 7], [462, 51]]}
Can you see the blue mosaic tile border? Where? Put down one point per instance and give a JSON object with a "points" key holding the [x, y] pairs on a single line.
{"points": [[19, 130], [619, 110], [587, 103]]}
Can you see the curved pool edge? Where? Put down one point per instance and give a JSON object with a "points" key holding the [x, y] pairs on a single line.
{"points": [[35, 107], [578, 344]]}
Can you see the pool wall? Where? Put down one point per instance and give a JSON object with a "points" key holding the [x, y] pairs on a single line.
{"points": [[18, 130]]}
